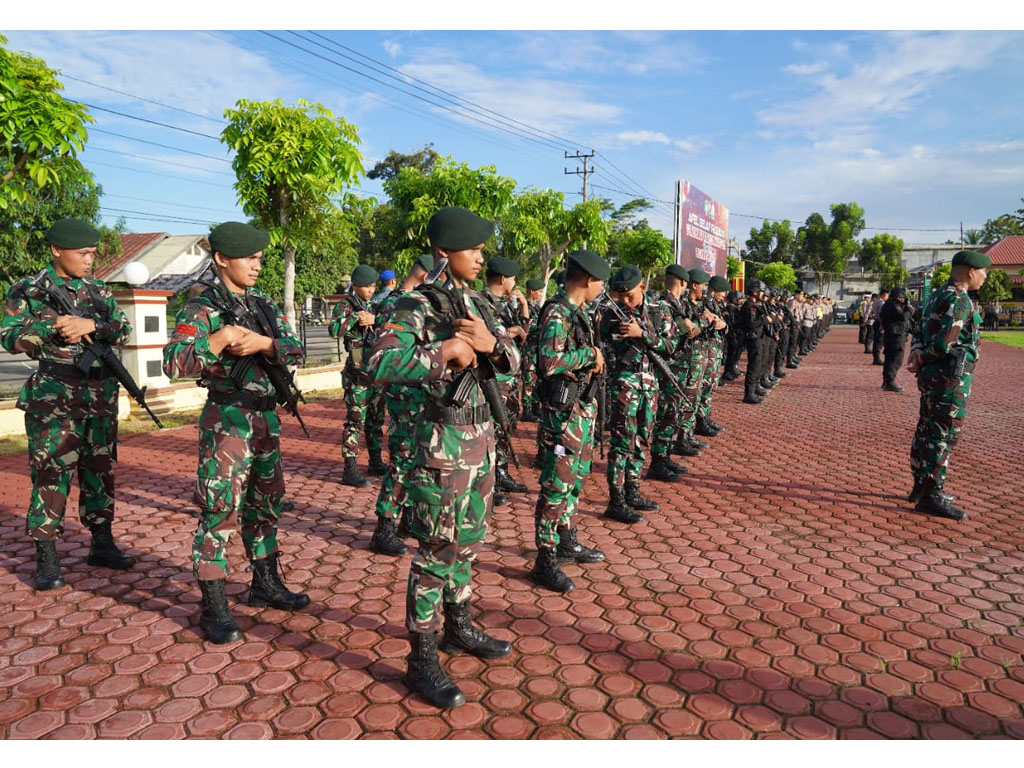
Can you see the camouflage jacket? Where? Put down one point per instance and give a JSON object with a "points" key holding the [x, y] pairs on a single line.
{"points": [[409, 352], [566, 344], [949, 321], [533, 331], [677, 310], [506, 312], [716, 308], [188, 352], [407, 398], [28, 327], [627, 354], [356, 338]]}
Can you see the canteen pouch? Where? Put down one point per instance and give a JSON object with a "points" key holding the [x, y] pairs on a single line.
{"points": [[559, 394], [955, 364]]}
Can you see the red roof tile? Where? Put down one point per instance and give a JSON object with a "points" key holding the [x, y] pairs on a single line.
{"points": [[132, 246], [1008, 252]]}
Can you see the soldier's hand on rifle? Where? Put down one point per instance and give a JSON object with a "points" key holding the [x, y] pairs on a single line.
{"points": [[915, 360], [457, 353], [517, 332], [598, 360], [250, 343], [73, 328], [474, 332], [631, 330], [365, 318], [719, 323]]}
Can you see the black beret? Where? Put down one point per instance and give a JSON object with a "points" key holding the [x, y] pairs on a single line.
{"points": [[972, 259], [559, 278], [72, 234], [499, 265], [456, 229], [626, 278], [591, 263], [426, 261], [677, 271], [363, 276], [698, 275], [237, 240], [534, 284], [719, 283]]}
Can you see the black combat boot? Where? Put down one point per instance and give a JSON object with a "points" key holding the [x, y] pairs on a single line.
{"points": [[760, 391], [352, 475], [498, 499], [268, 589], [636, 501], [570, 550], [427, 677], [376, 466], [918, 489], [48, 575], [753, 399], [892, 386], [660, 471], [791, 364], [934, 502], [780, 374], [547, 574], [703, 429], [529, 416], [461, 635], [505, 482], [385, 541], [700, 445], [717, 427], [684, 447], [619, 510], [104, 551], [405, 522], [675, 466], [216, 620]]}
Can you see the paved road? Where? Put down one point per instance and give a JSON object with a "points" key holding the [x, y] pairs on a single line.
{"points": [[784, 589]]}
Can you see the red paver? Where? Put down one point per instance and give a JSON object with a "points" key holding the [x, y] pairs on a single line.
{"points": [[776, 594]]}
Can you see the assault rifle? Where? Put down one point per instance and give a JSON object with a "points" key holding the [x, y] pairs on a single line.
{"points": [[237, 313], [606, 302], [97, 350], [482, 374]]}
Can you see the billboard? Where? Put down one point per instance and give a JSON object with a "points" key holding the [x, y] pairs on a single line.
{"points": [[701, 230]]}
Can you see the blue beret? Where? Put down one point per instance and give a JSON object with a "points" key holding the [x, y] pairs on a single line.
{"points": [[387, 274]]}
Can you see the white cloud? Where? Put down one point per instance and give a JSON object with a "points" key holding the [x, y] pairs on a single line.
{"points": [[392, 48], [806, 69], [643, 137], [637, 53]]}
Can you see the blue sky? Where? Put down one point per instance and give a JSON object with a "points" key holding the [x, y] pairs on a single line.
{"points": [[924, 129]]}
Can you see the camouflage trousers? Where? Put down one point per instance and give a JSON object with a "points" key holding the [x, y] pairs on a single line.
{"points": [[357, 402], [670, 403], [510, 388], [403, 408], [632, 421], [373, 427], [568, 439], [451, 499], [943, 407], [689, 398], [239, 475], [529, 376], [711, 374], [57, 447]]}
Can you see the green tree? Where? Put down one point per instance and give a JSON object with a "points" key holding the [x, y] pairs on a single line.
{"points": [[827, 249], [1006, 225], [974, 237], [774, 241], [997, 287], [292, 163], [881, 253], [647, 249], [732, 268], [390, 166], [778, 274], [625, 216], [940, 276]]}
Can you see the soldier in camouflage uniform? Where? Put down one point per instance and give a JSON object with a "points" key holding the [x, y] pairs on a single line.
{"points": [[568, 359], [714, 303], [666, 427], [943, 354], [70, 416], [376, 408], [353, 322], [508, 306], [404, 405], [632, 384], [534, 301], [433, 336], [699, 367], [239, 473]]}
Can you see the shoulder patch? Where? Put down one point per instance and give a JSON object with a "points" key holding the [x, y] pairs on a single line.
{"points": [[185, 329]]}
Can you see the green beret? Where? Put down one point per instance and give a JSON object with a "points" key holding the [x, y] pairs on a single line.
{"points": [[499, 265], [72, 234], [591, 263], [456, 229], [972, 259], [677, 271], [237, 240], [719, 283], [626, 278], [534, 284], [426, 261], [363, 276], [698, 275]]}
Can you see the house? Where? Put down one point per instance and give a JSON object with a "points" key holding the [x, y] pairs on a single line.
{"points": [[855, 281], [1008, 255], [174, 261]]}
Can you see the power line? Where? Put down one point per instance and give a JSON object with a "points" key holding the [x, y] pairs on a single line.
{"points": [[145, 120], [142, 98], [167, 202], [150, 216], [158, 160], [162, 146], [219, 185]]}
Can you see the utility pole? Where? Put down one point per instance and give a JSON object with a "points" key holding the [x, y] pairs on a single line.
{"points": [[584, 173]]}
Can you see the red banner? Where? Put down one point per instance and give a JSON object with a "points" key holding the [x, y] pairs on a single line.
{"points": [[701, 230]]}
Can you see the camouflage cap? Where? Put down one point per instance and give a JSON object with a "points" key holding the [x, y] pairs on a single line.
{"points": [[237, 240], [503, 267], [591, 263], [534, 284], [972, 259], [626, 278], [456, 229], [719, 283], [72, 234], [677, 271], [363, 276], [698, 275], [425, 261]]}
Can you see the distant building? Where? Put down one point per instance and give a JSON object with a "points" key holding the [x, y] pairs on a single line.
{"points": [[1008, 255], [174, 261]]}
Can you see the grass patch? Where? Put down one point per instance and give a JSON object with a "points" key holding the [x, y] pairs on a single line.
{"points": [[1009, 338]]}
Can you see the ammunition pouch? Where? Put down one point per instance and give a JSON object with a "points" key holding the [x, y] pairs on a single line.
{"points": [[559, 393], [454, 416]]}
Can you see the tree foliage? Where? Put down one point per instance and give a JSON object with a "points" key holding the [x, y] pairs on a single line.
{"points": [[292, 163], [882, 254], [645, 248], [778, 274], [41, 132], [774, 241], [940, 276], [732, 267], [390, 166], [827, 248], [997, 287]]}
